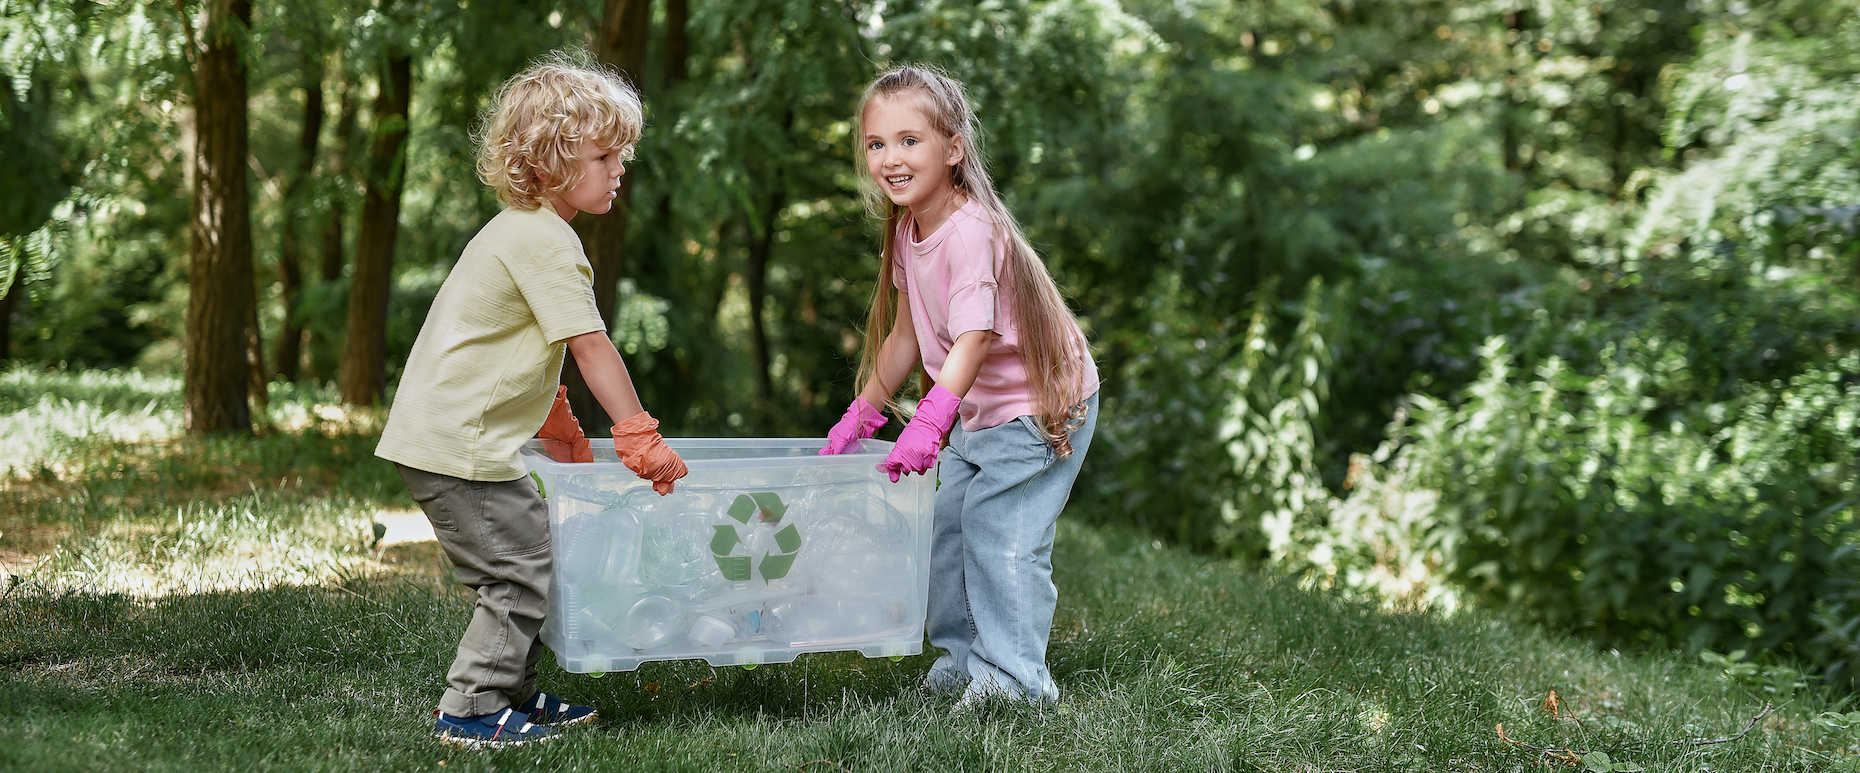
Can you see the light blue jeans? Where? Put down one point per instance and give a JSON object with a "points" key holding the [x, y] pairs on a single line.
{"points": [[991, 568]]}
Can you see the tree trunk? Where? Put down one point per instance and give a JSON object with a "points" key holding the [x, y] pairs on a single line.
{"points": [[291, 252], [622, 43], [677, 44], [339, 168], [7, 305], [255, 372], [363, 372], [221, 306], [755, 277], [318, 338]]}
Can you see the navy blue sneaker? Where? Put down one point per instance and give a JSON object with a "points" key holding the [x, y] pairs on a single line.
{"points": [[546, 709], [491, 731]]}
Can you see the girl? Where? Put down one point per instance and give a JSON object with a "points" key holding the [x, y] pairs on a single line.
{"points": [[976, 304]]}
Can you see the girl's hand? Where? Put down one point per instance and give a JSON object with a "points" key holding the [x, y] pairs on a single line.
{"points": [[860, 422], [643, 451], [918, 443], [561, 433]]}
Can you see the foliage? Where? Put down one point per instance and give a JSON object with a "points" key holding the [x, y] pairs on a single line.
{"points": [[1716, 528]]}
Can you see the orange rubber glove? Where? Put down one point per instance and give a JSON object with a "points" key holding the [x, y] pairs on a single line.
{"points": [[561, 433], [643, 451]]}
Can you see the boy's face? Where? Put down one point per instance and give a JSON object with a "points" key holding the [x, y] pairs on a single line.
{"points": [[600, 183]]}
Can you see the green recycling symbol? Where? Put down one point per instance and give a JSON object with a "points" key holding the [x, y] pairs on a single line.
{"points": [[764, 507]]}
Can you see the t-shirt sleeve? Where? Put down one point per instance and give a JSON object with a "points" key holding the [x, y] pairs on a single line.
{"points": [[973, 291], [558, 284]]}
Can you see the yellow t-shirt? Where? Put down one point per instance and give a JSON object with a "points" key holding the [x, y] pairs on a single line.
{"points": [[483, 372]]}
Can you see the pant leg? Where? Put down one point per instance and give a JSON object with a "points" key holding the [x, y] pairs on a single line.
{"points": [[1009, 517], [947, 620], [497, 536]]}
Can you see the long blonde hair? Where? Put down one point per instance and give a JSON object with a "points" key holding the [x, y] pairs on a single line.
{"points": [[1051, 345]]}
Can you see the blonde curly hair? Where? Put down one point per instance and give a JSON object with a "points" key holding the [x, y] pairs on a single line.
{"points": [[529, 144]]}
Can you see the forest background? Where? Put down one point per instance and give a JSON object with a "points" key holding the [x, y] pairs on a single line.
{"points": [[1548, 307]]}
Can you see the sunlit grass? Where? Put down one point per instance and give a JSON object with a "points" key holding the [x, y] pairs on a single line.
{"points": [[246, 542], [48, 417], [104, 492]]}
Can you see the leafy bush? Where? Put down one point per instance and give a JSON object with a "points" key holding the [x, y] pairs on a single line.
{"points": [[1717, 526]]}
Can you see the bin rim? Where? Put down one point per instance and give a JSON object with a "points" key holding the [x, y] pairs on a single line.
{"points": [[869, 453]]}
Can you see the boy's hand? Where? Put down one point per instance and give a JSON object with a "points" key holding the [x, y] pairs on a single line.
{"points": [[643, 451], [860, 421], [918, 443], [561, 433]]}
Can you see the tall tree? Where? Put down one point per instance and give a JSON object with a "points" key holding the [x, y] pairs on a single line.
{"points": [[8, 302], [222, 302], [291, 250], [321, 339], [620, 42], [362, 378], [677, 46], [763, 227]]}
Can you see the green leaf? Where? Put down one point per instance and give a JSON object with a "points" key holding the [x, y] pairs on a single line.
{"points": [[1597, 761]]}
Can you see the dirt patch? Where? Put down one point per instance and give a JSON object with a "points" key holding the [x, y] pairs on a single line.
{"points": [[15, 563], [417, 559]]}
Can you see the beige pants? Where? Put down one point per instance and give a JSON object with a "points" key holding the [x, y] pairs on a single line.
{"points": [[497, 535]]}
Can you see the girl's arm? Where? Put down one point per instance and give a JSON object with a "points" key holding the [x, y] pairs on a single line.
{"points": [[897, 357], [965, 361], [917, 445], [605, 374]]}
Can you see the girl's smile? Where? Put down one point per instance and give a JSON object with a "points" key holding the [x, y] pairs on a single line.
{"points": [[910, 161]]}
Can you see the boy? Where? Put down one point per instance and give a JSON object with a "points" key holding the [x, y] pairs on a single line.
{"points": [[479, 383]]}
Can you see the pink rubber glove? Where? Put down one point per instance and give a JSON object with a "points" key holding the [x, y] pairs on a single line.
{"points": [[860, 422], [918, 443]]}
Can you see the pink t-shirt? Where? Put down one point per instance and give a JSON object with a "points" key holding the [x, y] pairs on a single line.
{"points": [[950, 277]]}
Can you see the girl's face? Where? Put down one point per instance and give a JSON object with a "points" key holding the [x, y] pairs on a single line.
{"points": [[600, 182], [909, 160]]}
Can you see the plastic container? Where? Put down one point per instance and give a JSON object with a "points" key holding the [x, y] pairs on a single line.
{"points": [[765, 551]]}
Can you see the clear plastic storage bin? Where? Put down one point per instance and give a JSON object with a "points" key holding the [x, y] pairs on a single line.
{"points": [[765, 551]]}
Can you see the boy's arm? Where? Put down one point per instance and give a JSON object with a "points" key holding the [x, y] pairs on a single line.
{"points": [[605, 374], [636, 437], [897, 357]]}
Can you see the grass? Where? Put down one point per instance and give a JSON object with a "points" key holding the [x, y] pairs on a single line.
{"points": [[185, 604]]}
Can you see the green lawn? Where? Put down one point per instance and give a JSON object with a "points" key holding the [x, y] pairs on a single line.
{"points": [[174, 604]]}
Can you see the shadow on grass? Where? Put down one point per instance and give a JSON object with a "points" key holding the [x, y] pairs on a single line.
{"points": [[364, 629], [1167, 662]]}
